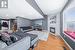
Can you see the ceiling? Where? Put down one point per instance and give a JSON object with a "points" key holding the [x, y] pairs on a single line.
{"points": [[19, 8], [51, 6], [23, 9]]}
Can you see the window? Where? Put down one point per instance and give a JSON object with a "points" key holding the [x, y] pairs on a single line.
{"points": [[69, 22]]}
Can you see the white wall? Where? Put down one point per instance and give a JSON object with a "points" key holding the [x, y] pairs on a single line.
{"points": [[23, 22], [56, 25]]}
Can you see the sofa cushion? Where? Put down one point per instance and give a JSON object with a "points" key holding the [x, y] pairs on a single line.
{"points": [[33, 36], [22, 35]]}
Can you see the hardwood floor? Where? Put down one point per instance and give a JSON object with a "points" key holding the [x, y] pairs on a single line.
{"points": [[53, 43]]}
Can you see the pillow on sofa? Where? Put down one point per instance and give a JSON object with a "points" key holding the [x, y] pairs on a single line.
{"points": [[15, 38], [6, 39]]}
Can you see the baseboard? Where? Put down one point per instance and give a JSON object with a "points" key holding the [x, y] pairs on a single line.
{"points": [[66, 43]]}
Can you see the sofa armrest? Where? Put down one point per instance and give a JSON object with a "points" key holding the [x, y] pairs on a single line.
{"points": [[23, 44], [2, 45]]}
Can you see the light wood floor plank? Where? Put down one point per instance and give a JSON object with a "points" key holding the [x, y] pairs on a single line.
{"points": [[53, 43]]}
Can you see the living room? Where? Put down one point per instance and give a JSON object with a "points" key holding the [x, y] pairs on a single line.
{"points": [[36, 25]]}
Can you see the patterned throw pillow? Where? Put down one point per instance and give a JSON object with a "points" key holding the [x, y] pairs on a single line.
{"points": [[5, 37]]}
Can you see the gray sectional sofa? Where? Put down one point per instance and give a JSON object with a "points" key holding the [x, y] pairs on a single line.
{"points": [[23, 44], [22, 41]]}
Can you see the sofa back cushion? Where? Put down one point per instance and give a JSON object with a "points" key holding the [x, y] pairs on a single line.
{"points": [[26, 28]]}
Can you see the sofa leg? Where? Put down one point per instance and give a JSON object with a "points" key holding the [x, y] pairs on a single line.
{"points": [[32, 47]]}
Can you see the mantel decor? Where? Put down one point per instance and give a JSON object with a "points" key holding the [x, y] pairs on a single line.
{"points": [[53, 20]]}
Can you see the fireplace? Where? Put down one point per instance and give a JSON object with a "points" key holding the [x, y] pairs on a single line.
{"points": [[52, 30]]}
